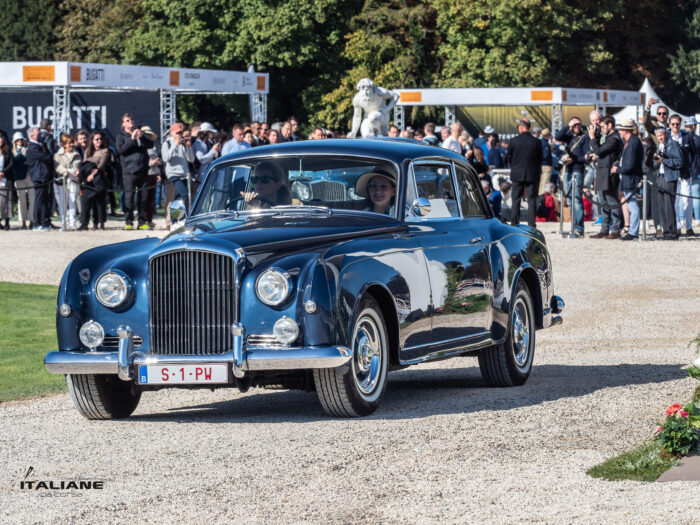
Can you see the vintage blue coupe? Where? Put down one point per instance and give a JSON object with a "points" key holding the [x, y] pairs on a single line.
{"points": [[319, 265]]}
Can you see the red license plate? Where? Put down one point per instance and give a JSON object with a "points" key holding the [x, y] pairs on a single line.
{"points": [[183, 374]]}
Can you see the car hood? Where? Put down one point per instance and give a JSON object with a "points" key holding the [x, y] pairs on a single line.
{"points": [[278, 232]]}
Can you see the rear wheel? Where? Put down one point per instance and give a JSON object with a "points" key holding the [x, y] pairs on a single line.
{"points": [[102, 396], [510, 364], [358, 390]]}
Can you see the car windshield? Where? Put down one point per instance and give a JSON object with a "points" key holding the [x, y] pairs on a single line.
{"points": [[316, 182]]}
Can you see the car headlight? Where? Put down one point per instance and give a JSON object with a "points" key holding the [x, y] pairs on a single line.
{"points": [[273, 286], [92, 334], [111, 289]]}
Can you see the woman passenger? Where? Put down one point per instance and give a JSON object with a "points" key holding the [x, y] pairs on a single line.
{"points": [[380, 187]]}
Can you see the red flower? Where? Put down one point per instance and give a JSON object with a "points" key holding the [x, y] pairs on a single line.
{"points": [[683, 413], [673, 409], [658, 429]]}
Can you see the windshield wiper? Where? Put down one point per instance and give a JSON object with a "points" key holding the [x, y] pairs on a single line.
{"points": [[216, 213], [296, 208]]}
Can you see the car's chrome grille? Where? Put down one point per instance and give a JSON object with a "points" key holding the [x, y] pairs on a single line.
{"points": [[192, 302], [112, 341]]}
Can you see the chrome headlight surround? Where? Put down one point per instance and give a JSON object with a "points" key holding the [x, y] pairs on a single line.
{"points": [[113, 288], [273, 286]]}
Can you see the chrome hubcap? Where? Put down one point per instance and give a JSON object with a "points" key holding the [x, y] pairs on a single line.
{"points": [[521, 332], [367, 354]]}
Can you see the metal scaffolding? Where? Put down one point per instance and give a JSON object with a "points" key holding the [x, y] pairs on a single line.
{"points": [[61, 105], [168, 110], [258, 110], [399, 117], [450, 115]]}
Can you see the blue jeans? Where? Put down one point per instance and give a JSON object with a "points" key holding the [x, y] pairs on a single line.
{"points": [[633, 207], [578, 205], [695, 192]]}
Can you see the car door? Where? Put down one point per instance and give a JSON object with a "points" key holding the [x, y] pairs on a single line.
{"points": [[454, 243]]}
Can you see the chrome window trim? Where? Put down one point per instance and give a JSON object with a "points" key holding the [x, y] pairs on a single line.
{"points": [[432, 161], [310, 155]]}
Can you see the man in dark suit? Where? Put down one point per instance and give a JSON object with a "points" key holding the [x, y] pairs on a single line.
{"points": [[525, 158], [41, 172], [606, 151]]}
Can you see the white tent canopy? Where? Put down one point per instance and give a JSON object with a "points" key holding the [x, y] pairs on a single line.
{"points": [[556, 97], [62, 77]]}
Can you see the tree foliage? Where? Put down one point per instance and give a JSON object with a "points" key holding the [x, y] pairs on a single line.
{"points": [[316, 51], [27, 29]]}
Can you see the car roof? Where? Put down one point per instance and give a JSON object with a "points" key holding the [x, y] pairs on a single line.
{"points": [[396, 150]]}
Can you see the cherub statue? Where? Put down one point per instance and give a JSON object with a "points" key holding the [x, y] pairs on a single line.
{"points": [[376, 102]]}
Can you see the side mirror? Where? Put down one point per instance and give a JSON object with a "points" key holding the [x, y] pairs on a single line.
{"points": [[421, 207], [177, 210]]}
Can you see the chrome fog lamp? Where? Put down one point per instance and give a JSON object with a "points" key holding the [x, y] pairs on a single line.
{"points": [[273, 286], [92, 334], [286, 330], [112, 289]]}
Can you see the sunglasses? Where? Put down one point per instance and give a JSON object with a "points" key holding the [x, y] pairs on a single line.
{"points": [[263, 179], [661, 113], [675, 123]]}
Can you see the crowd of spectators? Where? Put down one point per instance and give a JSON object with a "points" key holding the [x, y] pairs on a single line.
{"points": [[598, 167]]}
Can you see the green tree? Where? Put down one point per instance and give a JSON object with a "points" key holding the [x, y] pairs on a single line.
{"points": [[393, 43], [296, 41], [685, 62], [27, 29], [95, 31]]}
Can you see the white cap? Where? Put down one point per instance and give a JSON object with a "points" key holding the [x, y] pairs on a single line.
{"points": [[206, 126], [690, 121], [488, 129], [18, 136]]}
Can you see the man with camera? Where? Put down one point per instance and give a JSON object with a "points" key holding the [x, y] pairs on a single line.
{"points": [[606, 151], [132, 146], [177, 154], [650, 124], [574, 160], [668, 159]]}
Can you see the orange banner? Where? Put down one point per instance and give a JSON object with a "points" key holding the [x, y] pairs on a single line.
{"points": [[75, 73], [38, 73], [174, 78], [544, 95], [261, 83], [411, 96]]}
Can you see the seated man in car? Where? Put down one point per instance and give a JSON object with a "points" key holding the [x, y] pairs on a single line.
{"points": [[269, 187], [380, 188]]}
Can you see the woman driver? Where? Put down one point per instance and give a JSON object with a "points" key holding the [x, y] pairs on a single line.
{"points": [[269, 187], [380, 187]]}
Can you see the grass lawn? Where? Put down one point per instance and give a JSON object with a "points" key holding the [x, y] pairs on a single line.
{"points": [[27, 333], [641, 464]]}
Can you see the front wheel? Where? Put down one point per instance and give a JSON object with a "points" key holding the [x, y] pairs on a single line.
{"points": [[510, 364], [102, 396], [358, 390]]}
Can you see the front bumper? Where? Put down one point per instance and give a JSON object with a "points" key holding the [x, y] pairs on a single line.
{"points": [[242, 359]]}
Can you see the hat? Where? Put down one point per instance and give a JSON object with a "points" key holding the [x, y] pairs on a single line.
{"points": [[689, 121], [488, 129], [361, 184], [627, 124], [150, 134], [206, 126], [18, 136]]}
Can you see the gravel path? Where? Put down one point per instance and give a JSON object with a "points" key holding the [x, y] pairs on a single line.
{"points": [[441, 448]]}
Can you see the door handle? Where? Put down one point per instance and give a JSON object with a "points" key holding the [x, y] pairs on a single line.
{"points": [[476, 239]]}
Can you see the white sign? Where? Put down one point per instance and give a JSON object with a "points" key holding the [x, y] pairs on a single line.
{"points": [[114, 76]]}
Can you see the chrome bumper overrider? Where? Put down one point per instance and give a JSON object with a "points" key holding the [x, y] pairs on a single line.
{"points": [[242, 359], [556, 306]]}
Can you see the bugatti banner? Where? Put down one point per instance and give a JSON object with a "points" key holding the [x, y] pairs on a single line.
{"points": [[89, 110]]}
